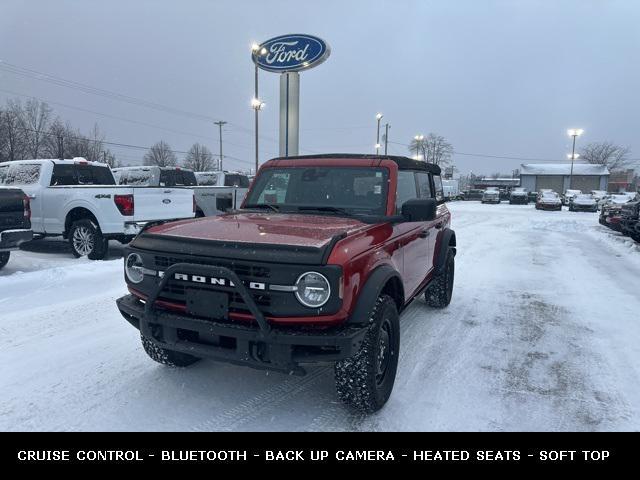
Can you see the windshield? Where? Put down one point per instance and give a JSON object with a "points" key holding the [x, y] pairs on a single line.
{"points": [[19, 174], [207, 179], [142, 177], [236, 180], [351, 190]]}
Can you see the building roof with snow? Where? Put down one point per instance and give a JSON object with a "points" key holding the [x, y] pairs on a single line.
{"points": [[563, 169]]}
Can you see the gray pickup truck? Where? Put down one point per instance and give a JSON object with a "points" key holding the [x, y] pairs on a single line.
{"points": [[15, 221]]}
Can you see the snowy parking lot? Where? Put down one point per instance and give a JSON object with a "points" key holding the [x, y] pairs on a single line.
{"points": [[542, 334]]}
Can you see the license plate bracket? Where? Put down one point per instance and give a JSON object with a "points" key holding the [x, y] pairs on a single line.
{"points": [[201, 303]]}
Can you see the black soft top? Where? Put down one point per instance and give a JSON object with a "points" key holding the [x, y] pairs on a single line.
{"points": [[404, 163]]}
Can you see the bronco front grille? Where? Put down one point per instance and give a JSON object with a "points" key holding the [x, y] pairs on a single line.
{"points": [[176, 290]]}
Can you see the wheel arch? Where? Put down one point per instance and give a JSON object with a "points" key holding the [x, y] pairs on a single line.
{"points": [[447, 240], [78, 213], [382, 280]]}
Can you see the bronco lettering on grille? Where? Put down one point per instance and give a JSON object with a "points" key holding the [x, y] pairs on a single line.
{"points": [[216, 281]]}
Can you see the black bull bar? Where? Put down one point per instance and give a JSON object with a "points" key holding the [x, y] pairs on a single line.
{"points": [[265, 347]]}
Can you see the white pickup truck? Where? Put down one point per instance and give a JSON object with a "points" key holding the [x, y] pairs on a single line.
{"points": [[80, 201], [215, 192]]}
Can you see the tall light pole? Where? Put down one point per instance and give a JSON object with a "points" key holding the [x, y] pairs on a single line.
{"points": [[220, 124], [256, 104], [378, 118], [386, 137], [419, 139], [573, 132]]}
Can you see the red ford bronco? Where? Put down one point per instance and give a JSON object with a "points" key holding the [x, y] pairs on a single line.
{"points": [[316, 267]]}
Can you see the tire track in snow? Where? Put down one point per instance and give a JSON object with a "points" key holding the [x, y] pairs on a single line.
{"points": [[258, 405]]}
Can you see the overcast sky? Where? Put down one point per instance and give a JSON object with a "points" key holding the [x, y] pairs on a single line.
{"points": [[503, 78]]}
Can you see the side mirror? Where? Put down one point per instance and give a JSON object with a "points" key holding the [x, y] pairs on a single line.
{"points": [[419, 210]]}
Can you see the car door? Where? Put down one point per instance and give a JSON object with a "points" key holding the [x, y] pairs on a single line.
{"points": [[413, 238], [57, 195]]}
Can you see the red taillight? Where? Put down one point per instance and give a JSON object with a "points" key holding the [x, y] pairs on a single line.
{"points": [[26, 205], [125, 204]]}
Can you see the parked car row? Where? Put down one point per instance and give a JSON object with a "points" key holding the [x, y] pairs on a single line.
{"points": [[87, 205], [621, 213]]}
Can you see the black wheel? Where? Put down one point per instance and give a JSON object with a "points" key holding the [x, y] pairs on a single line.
{"points": [[167, 357], [86, 239], [4, 258], [438, 294], [365, 380]]}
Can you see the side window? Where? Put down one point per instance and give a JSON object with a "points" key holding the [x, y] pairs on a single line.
{"points": [[63, 175], [424, 185], [406, 189], [437, 183]]}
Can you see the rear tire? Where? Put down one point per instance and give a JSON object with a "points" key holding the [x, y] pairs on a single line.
{"points": [[440, 290], [167, 357], [365, 380], [4, 258], [86, 239]]}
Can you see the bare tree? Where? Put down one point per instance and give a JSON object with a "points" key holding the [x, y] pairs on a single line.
{"points": [[35, 119], [433, 148], [161, 155], [12, 132], [199, 158], [615, 157]]}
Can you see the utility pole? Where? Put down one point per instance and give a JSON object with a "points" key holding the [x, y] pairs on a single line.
{"points": [[386, 137], [220, 124]]}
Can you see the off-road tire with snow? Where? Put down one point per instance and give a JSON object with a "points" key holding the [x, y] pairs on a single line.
{"points": [[86, 239], [167, 357], [439, 291], [4, 258], [365, 380]]}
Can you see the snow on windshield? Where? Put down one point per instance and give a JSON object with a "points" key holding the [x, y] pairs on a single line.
{"points": [[19, 174], [138, 177], [207, 178]]}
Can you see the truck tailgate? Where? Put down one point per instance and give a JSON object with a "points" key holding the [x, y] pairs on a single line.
{"points": [[162, 203], [12, 209]]}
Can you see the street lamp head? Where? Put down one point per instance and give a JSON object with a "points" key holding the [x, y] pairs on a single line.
{"points": [[379, 116], [575, 156], [255, 47], [419, 137], [257, 104], [378, 145], [575, 132]]}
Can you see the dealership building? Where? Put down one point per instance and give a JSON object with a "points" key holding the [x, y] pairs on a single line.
{"points": [[586, 177]]}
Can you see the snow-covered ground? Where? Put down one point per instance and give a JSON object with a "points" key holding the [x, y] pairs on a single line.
{"points": [[543, 333]]}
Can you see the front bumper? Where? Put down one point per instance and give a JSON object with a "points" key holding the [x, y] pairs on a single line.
{"points": [[550, 206], [11, 239], [584, 208], [519, 200], [258, 345], [280, 349]]}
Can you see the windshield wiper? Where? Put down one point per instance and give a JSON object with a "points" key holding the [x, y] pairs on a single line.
{"points": [[263, 205], [324, 208]]}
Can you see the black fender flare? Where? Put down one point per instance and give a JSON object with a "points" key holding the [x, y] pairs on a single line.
{"points": [[370, 292], [447, 238]]}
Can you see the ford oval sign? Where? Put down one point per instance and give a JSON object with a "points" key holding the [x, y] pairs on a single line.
{"points": [[291, 53]]}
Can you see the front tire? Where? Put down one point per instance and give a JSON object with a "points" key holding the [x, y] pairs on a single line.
{"points": [[439, 292], [86, 239], [4, 258], [365, 380], [163, 356]]}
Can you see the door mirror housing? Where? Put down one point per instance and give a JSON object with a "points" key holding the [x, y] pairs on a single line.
{"points": [[419, 210]]}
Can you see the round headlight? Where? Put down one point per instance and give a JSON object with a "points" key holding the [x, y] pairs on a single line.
{"points": [[313, 289], [133, 268]]}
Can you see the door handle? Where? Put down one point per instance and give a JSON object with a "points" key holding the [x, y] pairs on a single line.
{"points": [[424, 233]]}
